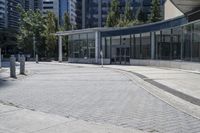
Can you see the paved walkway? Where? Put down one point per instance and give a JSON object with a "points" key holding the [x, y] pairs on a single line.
{"points": [[186, 82], [94, 94], [18, 120], [179, 88]]}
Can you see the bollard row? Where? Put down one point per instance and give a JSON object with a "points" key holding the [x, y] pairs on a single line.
{"points": [[22, 65], [13, 66]]}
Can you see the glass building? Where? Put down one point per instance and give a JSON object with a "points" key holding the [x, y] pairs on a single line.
{"points": [[32, 4], [67, 6], [94, 12], [2, 13], [176, 39], [12, 15]]}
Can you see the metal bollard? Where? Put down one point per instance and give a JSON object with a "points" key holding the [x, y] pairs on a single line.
{"points": [[22, 65], [12, 66], [36, 58]]}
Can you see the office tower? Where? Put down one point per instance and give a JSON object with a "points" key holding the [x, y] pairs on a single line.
{"points": [[67, 6], [51, 6], [94, 12], [12, 15], [2, 13], [38, 4], [59, 7], [32, 4]]}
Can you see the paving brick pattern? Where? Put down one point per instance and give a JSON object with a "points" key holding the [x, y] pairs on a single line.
{"points": [[96, 94]]}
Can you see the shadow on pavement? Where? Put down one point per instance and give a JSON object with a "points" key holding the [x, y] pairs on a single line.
{"points": [[3, 83], [7, 64]]}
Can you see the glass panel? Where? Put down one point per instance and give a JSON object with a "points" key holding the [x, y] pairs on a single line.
{"points": [[176, 43], [76, 46], [132, 49], [146, 46], [187, 42], [165, 46], [91, 45], [157, 44], [83, 46], [70, 46], [106, 47], [115, 52], [196, 43], [125, 49], [137, 46]]}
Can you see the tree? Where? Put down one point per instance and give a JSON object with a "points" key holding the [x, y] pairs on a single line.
{"points": [[8, 39], [128, 19], [32, 24], [51, 28], [128, 15], [124, 23], [114, 14], [67, 26], [155, 11], [142, 16]]}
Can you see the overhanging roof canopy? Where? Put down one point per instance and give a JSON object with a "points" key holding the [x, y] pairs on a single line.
{"points": [[81, 31], [187, 6]]}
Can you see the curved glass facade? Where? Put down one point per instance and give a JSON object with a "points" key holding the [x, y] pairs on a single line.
{"points": [[174, 43], [168, 40]]}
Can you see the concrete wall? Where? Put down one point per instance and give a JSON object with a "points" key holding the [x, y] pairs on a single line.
{"points": [[170, 10], [170, 64]]}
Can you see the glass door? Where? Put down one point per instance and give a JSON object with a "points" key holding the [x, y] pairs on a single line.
{"points": [[122, 55]]}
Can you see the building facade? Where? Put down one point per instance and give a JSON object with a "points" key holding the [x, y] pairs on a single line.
{"points": [[12, 15], [51, 6], [94, 12], [32, 4], [59, 7], [67, 6], [9, 15], [2, 13], [170, 43]]}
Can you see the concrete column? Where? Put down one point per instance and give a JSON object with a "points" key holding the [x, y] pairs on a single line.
{"points": [[12, 66], [97, 45], [152, 45], [60, 49], [22, 64]]}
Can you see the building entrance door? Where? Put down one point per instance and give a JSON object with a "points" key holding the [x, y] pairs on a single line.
{"points": [[121, 55]]}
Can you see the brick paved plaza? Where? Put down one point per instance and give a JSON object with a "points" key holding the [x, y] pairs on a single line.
{"points": [[95, 94]]}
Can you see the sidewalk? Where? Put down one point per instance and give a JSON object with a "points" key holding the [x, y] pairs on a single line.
{"points": [[18, 120], [180, 88], [184, 81]]}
